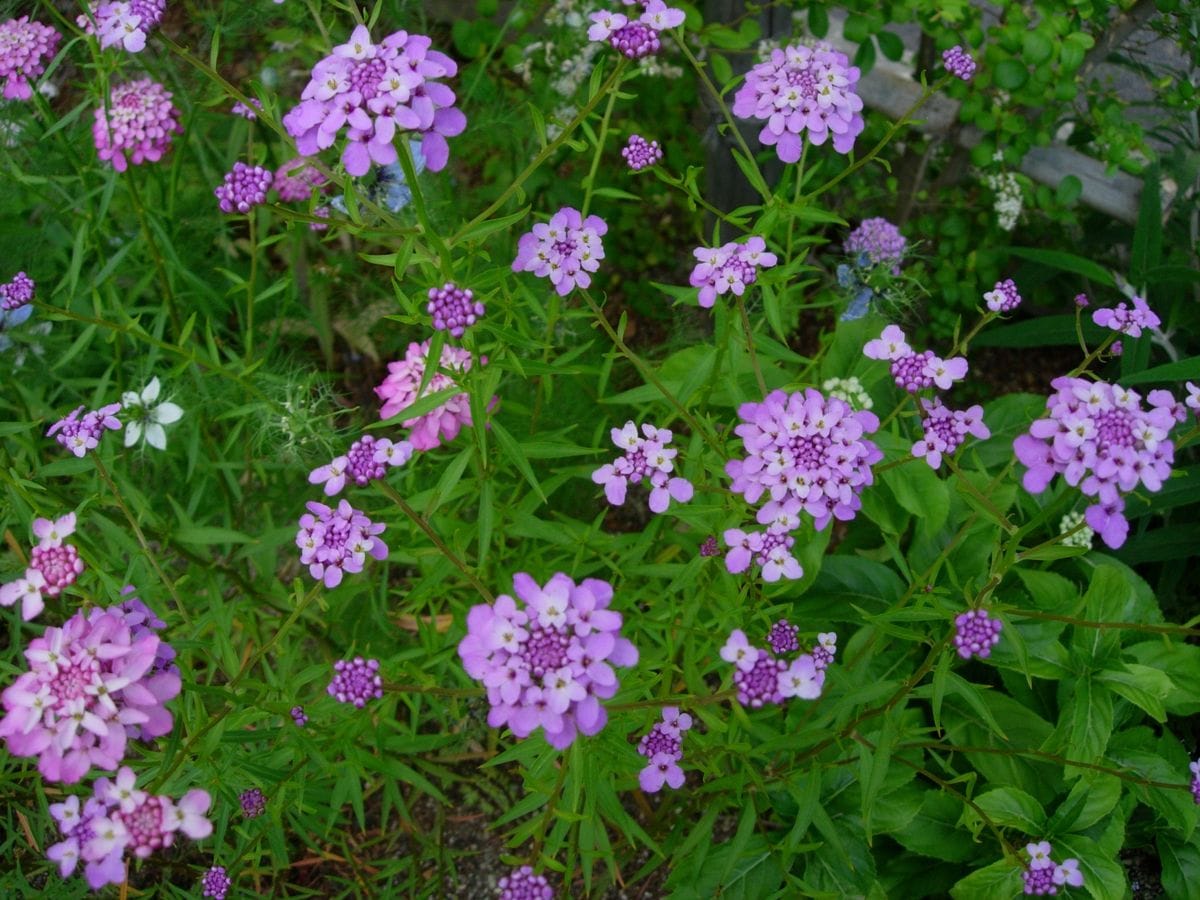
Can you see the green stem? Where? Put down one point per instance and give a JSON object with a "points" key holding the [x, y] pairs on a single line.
{"points": [[984, 500], [762, 384], [155, 252], [410, 176], [1102, 626], [590, 181], [249, 343]]}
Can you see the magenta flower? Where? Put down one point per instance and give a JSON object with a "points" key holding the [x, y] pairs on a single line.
{"points": [[975, 633], [453, 309], [645, 457], [549, 664], [333, 542], [729, 269], [641, 154], [946, 429], [137, 124], [91, 685], [567, 249], [802, 90], [399, 391], [770, 550], [28, 590], [355, 681], [1081, 300], [1128, 321], [244, 188], [958, 62], [880, 240], [81, 435], [805, 448], [53, 566], [523, 884], [25, 48], [1099, 438], [374, 91], [126, 23], [296, 180], [913, 371], [1003, 298], [368, 459]]}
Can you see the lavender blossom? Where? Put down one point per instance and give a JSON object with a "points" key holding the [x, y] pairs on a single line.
{"points": [[247, 112], [880, 240], [641, 154], [913, 371], [770, 550], [296, 180], [215, 883], [1003, 298], [1195, 785], [635, 38], [398, 391], [244, 188], [567, 250], [136, 125], [81, 435], [16, 294], [299, 717], [253, 802], [454, 309], [710, 547], [333, 542], [946, 429], [760, 678], [25, 48], [958, 62], [784, 637], [523, 884], [648, 458], [729, 269], [976, 633], [824, 650], [1128, 321], [126, 23], [355, 681], [367, 460], [53, 566], [663, 747], [1043, 876]]}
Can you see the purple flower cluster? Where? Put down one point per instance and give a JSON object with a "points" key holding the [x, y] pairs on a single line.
{"points": [[880, 240], [802, 89], [453, 309], [215, 883], [729, 269], [762, 678], [137, 124], [1044, 876], [247, 112], [523, 884], [91, 685], [646, 457], [784, 637], [368, 459], [127, 22], [641, 154], [548, 663], [914, 371], [253, 802], [356, 681], [663, 746], [335, 541], [635, 38], [25, 47], [374, 91], [398, 391], [958, 62], [975, 633], [81, 434], [1195, 769], [770, 550], [1003, 298], [1128, 321], [244, 188], [567, 249], [824, 650], [296, 180], [53, 565], [16, 293], [118, 818], [1193, 398], [299, 717], [710, 547], [1099, 437], [946, 429], [1081, 300], [805, 453]]}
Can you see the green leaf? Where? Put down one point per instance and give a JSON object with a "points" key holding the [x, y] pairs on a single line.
{"points": [[890, 45], [1069, 190], [1000, 880], [490, 226], [427, 403], [1103, 877], [721, 69], [1013, 808], [1142, 686], [1147, 235], [917, 488], [1091, 799], [818, 20], [1088, 721], [1180, 370], [1183, 662], [1180, 867], [1036, 48], [513, 451], [935, 830], [1010, 74], [211, 534], [857, 28], [1067, 262]]}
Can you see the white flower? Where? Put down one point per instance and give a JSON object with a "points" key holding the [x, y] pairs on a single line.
{"points": [[148, 416]]}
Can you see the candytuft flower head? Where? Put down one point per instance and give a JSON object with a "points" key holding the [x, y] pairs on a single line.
{"points": [[958, 62], [880, 240], [567, 250], [946, 429], [296, 180], [1128, 321], [53, 565], [145, 416], [1195, 786], [913, 371], [523, 884], [1003, 298], [137, 124], [549, 662], [244, 188], [375, 91], [335, 541], [663, 747], [368, 459], [646, 457], [81, 434], [355, 681], [253, 802], [976, 633], [16, 300], [247, 112], [126, 23], [215, 883], [91, 685], [454, 309], [1099, 437], [770, 550], [641, 154], [25, 48], [299, 717], [729, 269], [1044, 876], [635, 38], [784, 637], [803, 91], [399, 391], [118, 818]]}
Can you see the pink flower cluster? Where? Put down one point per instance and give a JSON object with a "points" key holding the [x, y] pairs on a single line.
{"points": [[25, 48], [549, 662], [976, 633], [81, 434], [958, 62], [641, 154], [945, 430], [335, 541], [915, 371], [91, 685], [1044, 876], [800, 90], [1100, 438], [454, 309], [296, 180], [244, 188], [663, 747], [136, 125], [1128, 321], [762, 678], [770, 550], [729, 269], [119, 819], [635, 38], [645, 456], [804, 452], [1003, 298], [355, 681], [367, 460], [127, 22], [53, 565], [374, 91], [398, 391], [567, 249]]}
